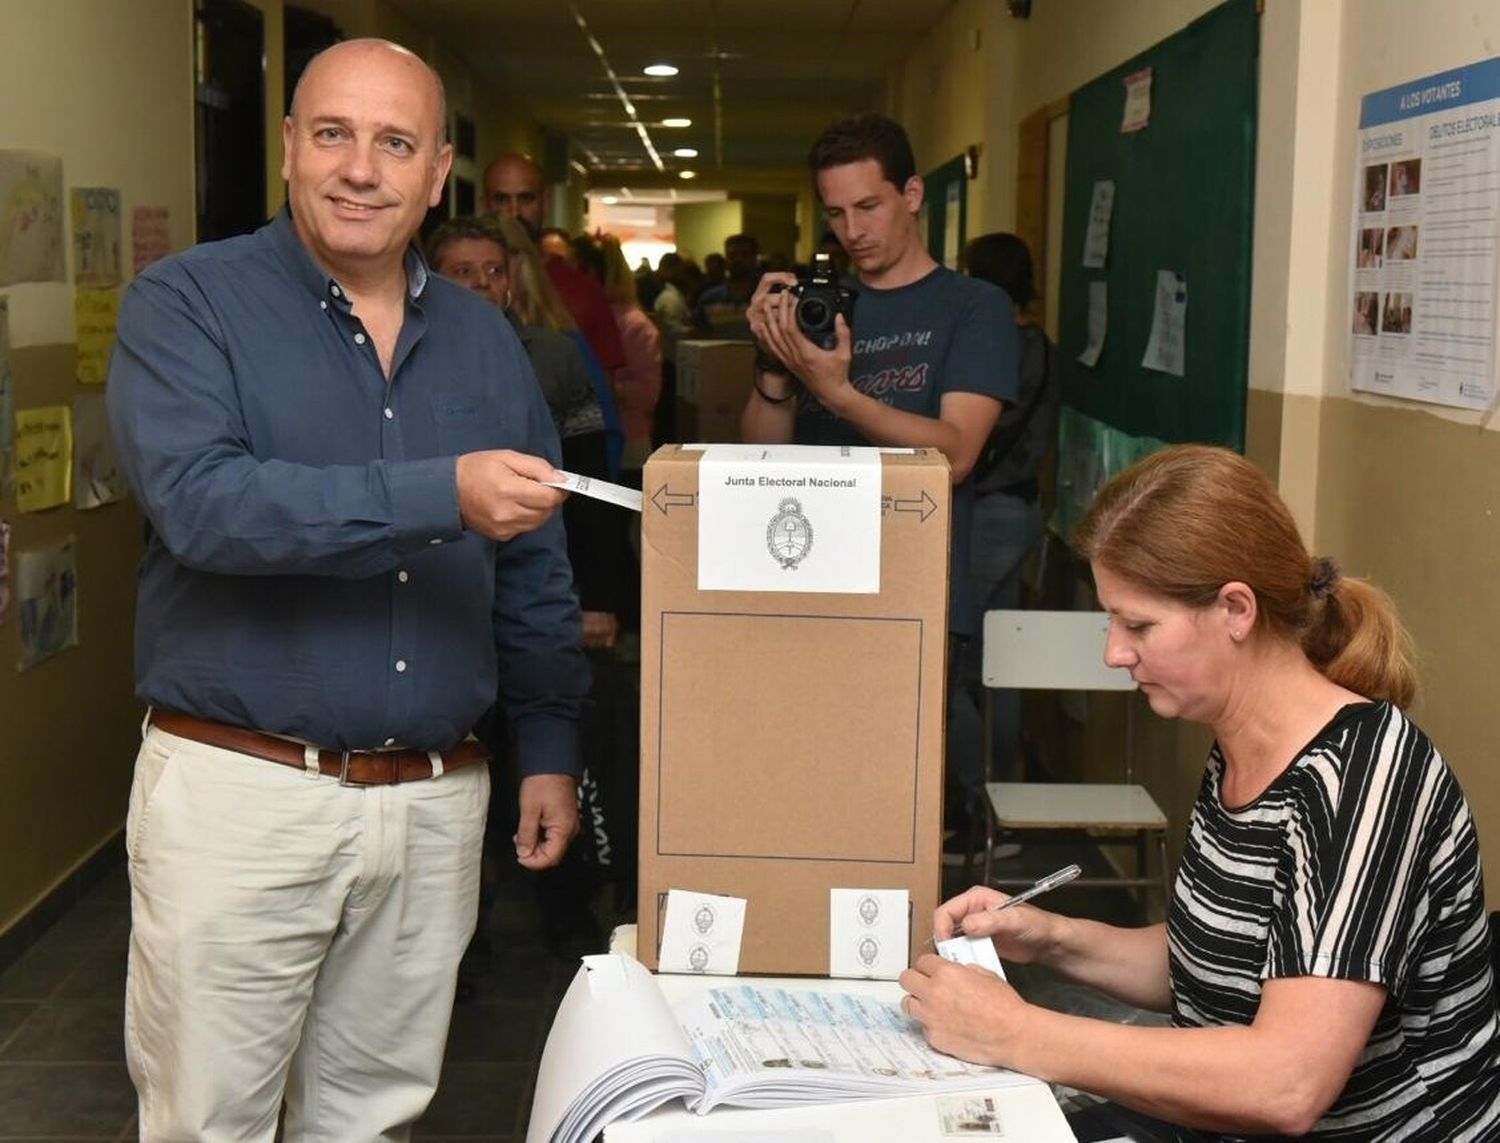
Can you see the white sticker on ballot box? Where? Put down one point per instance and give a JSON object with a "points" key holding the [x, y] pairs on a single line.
{"points": [[789, 518]]}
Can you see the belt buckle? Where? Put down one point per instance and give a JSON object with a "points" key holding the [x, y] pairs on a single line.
{"points": [[344, 779]]}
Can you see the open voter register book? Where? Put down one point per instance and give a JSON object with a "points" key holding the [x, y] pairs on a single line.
{"points": [[617, 1050]]}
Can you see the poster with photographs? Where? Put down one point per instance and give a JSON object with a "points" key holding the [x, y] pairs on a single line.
{"points": [[1426, 239], [46, 590]]}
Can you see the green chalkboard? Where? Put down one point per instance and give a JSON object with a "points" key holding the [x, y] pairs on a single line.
{"points": [[1183, 201]]}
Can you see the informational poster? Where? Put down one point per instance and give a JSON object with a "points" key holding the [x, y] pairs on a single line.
{"points": [[31, 218], [1426, 239], [1137, 101], [1167, 349], [150, 238], [1096, 240], [46, 585], [97, 478], [44, 457], [96, 312], [952, 208], [7, 423], [96, 236]]}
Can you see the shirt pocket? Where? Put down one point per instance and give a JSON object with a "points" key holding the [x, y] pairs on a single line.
{"points": [[467, 423]]}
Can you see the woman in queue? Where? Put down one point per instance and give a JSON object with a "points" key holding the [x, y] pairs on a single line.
{"points": [[1326, 958]]}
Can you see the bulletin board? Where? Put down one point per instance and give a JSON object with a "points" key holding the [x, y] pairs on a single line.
{"points": [[1183, 201]]}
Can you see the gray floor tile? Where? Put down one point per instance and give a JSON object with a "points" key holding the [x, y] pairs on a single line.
{"points": [[92, 922], [497, 1032], [70, 1031], [65, 1099], [13, 1013], [40, 971], [477, 1099], [99, 975]]}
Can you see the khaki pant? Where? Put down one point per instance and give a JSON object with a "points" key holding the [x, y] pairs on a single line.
{"points": [[291, 936]]}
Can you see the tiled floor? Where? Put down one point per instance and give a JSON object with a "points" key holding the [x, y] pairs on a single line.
{"points": [[62, 1069]]}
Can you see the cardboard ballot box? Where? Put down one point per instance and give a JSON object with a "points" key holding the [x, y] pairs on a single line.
{"points": [[794, 634], [713, 383]]}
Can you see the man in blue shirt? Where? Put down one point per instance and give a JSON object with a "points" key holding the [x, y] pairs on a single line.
{"points": [[340, 457]]}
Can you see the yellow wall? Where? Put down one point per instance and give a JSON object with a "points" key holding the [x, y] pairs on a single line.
{"points": [[108, 88], [701, 227], [1405, 491], [1394, 490]]}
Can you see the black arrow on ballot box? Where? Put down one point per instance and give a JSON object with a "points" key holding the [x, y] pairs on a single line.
{"points": [[925, 507], [664, 498]]}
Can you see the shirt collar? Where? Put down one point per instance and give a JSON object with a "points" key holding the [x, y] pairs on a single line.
{"points": [[288, 244]]}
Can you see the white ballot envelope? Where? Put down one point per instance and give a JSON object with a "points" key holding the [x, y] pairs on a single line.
{"points": [[971, 950], [597, 489]]}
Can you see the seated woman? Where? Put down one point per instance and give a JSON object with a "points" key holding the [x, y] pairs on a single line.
{"points": [[1326, 956]]}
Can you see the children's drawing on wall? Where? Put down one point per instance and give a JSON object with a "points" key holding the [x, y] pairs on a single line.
{"points": [[7, 424], [96, 236], [44, 457], [46, 582], [149, 236], [97, 479], [96, 311], [31, 218], [4, 570]]}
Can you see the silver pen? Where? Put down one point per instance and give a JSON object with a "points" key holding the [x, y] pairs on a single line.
{"points": [[1051, 881]]}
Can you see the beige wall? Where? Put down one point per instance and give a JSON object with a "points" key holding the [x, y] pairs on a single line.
{"points": [[979, 72], [1394, 490], [701, 227], [107, 87], [1403, 490]]}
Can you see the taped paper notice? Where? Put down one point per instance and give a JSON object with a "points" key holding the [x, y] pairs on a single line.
{"points": [[701, 933], [869, 933], [789, 518]]}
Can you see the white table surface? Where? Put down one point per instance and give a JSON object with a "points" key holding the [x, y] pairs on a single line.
{"points": [[1029, 1113]]}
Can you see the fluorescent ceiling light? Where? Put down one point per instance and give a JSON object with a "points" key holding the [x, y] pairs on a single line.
{"points": [[687, 174], [685, 153], [662, 70], [609, 200], [676, 122]]}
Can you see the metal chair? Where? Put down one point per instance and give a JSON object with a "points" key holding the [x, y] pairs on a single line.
{"points": [[1064, 650]]}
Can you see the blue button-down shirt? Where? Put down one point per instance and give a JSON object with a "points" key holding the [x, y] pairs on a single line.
{"points": [[306, 571]]}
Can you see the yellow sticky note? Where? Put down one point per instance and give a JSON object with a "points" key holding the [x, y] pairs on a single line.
{"points": [[43, 457], [96, 311]]}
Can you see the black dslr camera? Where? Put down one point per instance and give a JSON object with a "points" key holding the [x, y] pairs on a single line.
{"points": [[820, 299]]}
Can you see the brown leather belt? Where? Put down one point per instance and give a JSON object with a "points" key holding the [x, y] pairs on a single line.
{"points": [[350, 767]]}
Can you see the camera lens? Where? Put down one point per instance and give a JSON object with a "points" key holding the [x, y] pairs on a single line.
{"points": [[813, 312]]}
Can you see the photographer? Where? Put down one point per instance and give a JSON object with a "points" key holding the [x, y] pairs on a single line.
{"points": [[928, 360]]}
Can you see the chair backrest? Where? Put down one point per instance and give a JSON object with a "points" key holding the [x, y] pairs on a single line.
{"points": [[1049, 650]]}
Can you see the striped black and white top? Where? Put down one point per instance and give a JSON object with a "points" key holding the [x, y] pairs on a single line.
{"points": [[1359, 862]]}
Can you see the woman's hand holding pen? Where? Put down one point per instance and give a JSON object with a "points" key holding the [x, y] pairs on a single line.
{"points": [[1021, 934]]}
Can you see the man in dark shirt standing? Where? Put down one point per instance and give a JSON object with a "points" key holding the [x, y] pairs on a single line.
{"points": [[339, 456], [513, 187], [928, 361]]}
